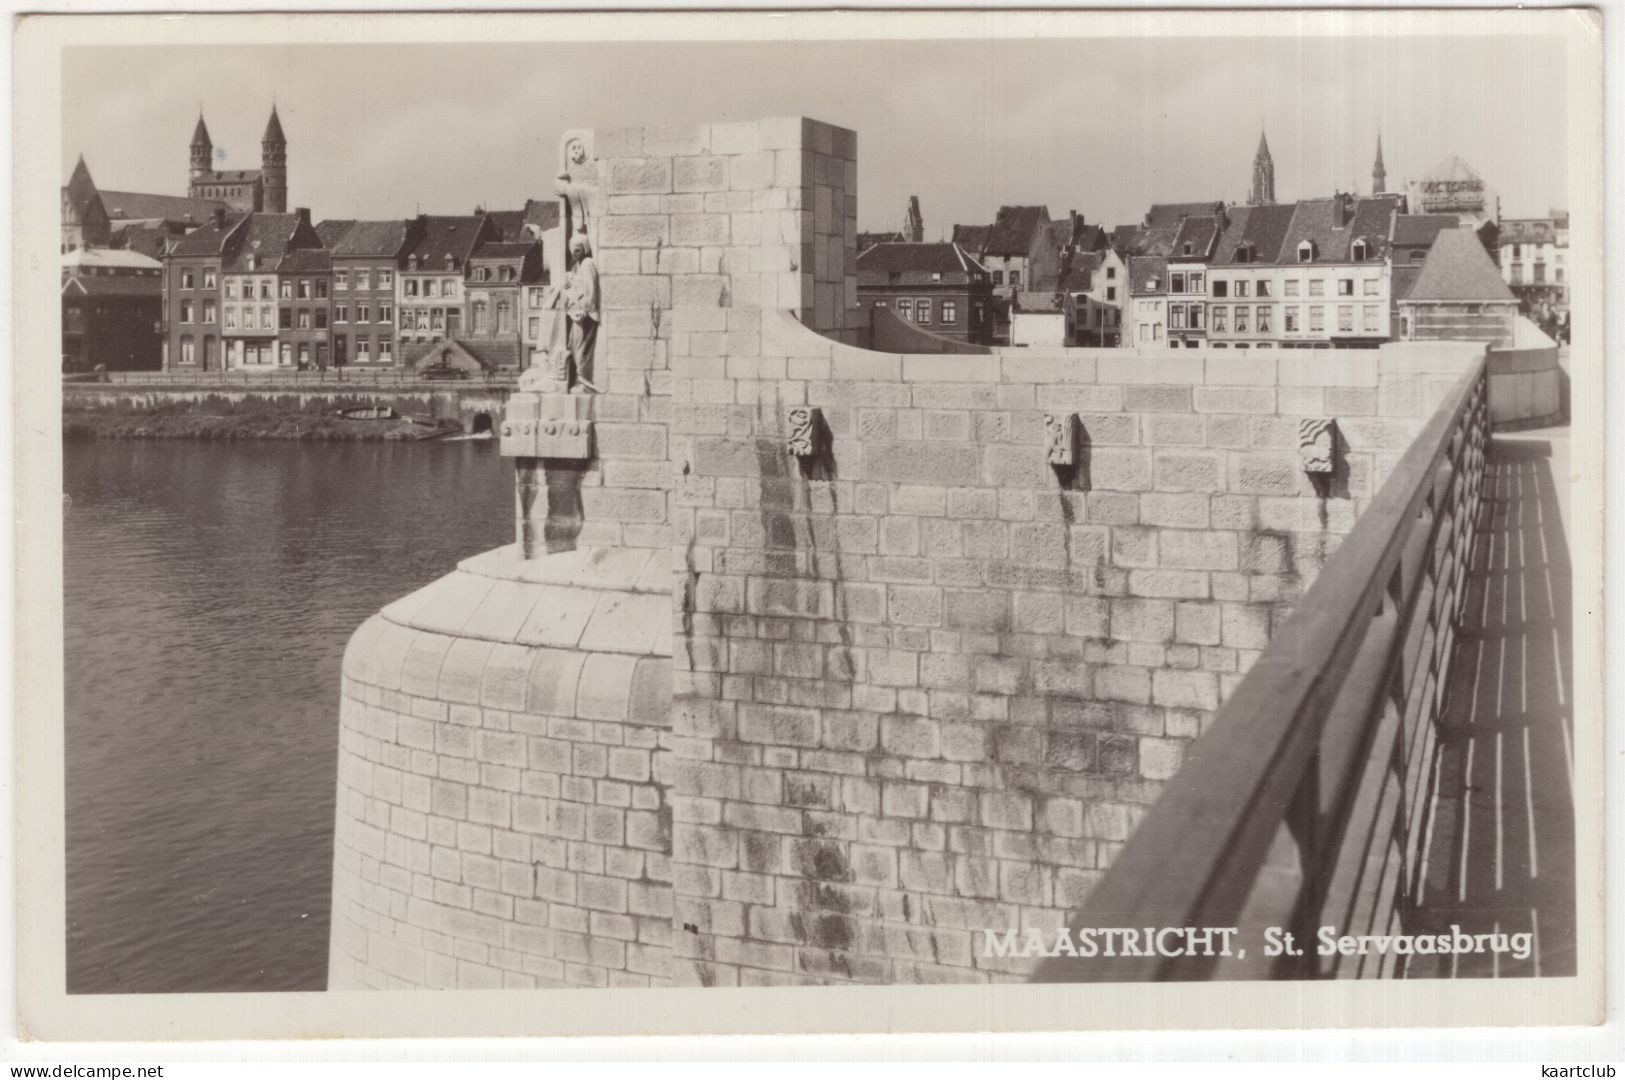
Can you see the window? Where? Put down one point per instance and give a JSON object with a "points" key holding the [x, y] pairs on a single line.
{"points": [[341, 313], [1517, 251], [1345, 318], [285, 289], [1292, 320], [437, 319], [1220, 319], [533, 328], [1176, 316], [905, 307], [1540, 272], [504, 316], [479, 317], [386, 280], [231, 317], [536, 299], [1264, 319], [1196, 283], [1559, 278], [186, 311], [950, 312], [285, 318], [265, 288], [1306, 252], [1368, 316], [411, 286], [304, 318], [922, 311], [1359, 253], [1111, 273], [1176, 283], [287, 354], [482, 274], [1345, 286], [187, 279], [208, 311], [208, 280], [304, 354], [188, 351], [1241, 288], [1241, 319], [936, 278], [304, 289], [998, 277], [231, 288], [422, 319], [1221, 288], [448, 287], [1111, 293], [363, 351], [386, 350], [1317, 318], [981, 312], [429, 287], [1244, 253], [1368, 286], [321, 288], [1015, 277], [321, 318], [1263, 287], [321, 354], [363, 313], [1317, 288], [211, 355], [1292, 287], [341, 280], [1145, 333], [1193, 317], [386, 313]]}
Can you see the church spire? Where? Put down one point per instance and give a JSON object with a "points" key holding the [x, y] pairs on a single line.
{"points": [[1263, 190], [1379, 172]]}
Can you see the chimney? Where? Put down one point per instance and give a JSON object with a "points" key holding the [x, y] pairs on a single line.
{"points": [[220, 217], [1077, 228], [304, 217], [1345, 208]]}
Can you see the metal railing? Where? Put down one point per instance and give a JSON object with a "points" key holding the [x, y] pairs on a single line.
{"points": [[332, 377], [1304, 803]]}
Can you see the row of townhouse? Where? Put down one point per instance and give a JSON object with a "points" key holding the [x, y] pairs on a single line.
{"points": [[261, 291], [1343, 272]]}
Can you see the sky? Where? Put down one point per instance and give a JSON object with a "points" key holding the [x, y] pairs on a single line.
{"points": [[1102, 126]]}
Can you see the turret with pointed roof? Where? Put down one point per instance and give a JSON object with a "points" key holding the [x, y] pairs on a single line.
{"points": [[1263, 191], [1379, 172], [202, 149], [274, 164]]}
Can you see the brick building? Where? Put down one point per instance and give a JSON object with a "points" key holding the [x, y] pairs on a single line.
{"points": [[193, 299], [1534, 254], [936, 287], [365, 261], [429, 284], [1458, 295], [499, 274], [305, 308]]}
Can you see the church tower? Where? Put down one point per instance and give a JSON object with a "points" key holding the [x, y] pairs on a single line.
{"points": [[1379, 172], [1263, 193], [274, 166], [202, 152]]}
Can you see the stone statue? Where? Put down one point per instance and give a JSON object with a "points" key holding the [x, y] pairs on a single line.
{"points": [[1060, 436], [581, 310], [577, 186]]}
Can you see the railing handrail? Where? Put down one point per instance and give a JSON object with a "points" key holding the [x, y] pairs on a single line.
{"points": [[183, 379], [1183, 863]]}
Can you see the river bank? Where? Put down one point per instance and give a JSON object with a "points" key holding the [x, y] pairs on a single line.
{"points": [[251, 425]]}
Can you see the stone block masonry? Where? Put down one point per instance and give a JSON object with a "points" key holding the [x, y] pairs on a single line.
{"points": [[915, 686]]}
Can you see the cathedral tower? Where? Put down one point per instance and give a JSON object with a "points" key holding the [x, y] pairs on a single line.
{"points": [[274, 165], [1263, 192], [1379, 172]]}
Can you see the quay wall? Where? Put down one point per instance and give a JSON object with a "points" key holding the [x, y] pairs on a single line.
{"points": [[439, 402], [916, 685]]}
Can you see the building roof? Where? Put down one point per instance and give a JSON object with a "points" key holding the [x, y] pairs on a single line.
{"points": [[1413, 229], [371, 240], [1258, 229], [230, 176], [109, 259], [1147, 275], [1168, 215], [441, 236], [332, 231], [503, 249], [867, 240], [1037, 302], [306, 261], [273, 129], [1531, 230], [972, 238], [206, 240], [267, 236], [150, 240], [119, 285], [1195, 238], [935, 258], [1451, 167], [200, 134], [1012, 230], [542, 214], [510, 224], [141, 206], [1125, 238], [81, 190], [1316, 220], [1458, 268]]}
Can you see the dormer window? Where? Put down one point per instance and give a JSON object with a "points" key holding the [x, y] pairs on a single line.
{"points": [[1187, 247], [451, 263], [1244, 252], [1360, 252], [1306, 252]]}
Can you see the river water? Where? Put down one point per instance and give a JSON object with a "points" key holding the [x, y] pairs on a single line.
{"points": [[210, 588]]}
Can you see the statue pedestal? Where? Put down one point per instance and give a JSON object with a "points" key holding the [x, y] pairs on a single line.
{"points": [[549, 436]]}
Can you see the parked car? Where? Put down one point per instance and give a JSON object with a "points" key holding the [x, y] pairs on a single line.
{"points": [[443, 371]]}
